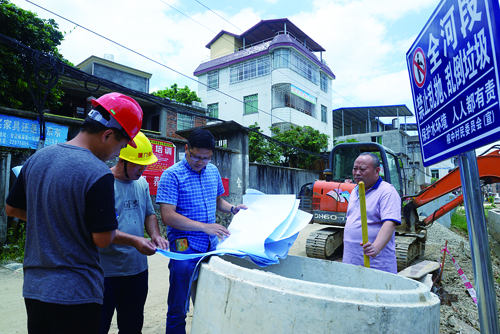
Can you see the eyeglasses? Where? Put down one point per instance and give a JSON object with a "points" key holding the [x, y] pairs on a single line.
{"points": [[196, 159]]}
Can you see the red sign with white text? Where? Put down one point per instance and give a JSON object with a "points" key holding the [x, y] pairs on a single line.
{"points": [[165, 152]]}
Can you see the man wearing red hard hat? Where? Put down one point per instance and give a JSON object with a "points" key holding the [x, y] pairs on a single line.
{"points": [[65, 193]]}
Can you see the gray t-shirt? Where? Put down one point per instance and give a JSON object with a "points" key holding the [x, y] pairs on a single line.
{"points": [[133, 204], [68, 194]]}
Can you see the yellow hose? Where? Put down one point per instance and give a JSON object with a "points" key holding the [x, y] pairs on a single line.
{"points": [[364, 224]]}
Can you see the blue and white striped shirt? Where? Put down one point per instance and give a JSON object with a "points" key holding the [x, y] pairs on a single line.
{"points": [[195, 197]]}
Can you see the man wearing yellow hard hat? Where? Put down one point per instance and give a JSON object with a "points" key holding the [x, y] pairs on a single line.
{"points": [[125, 260]]}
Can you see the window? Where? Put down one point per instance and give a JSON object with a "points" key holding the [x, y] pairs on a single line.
{"points": [[213, 110], [435, 173], [250, 69], [393, 169], [324, 82], [80, 112], [323, 114], [287, 58], [282, 97], [185, 121], [304, 67], [251, 104], [377, 139], [155, 123], [281, 58], [213, 80]]}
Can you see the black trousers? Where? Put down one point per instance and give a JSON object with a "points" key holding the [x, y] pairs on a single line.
{"points": [[126, 294], [48, 318]]}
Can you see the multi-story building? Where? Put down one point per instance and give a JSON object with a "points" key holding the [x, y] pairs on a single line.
{"points": [[273, 74]]}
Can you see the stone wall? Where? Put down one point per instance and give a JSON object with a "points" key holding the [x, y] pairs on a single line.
{"points": [[274, 180], [493, 223]]}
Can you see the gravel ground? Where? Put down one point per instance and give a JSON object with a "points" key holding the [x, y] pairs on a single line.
{"points": [[462, 315]]}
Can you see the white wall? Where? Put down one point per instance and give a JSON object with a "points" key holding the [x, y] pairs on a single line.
{"points": [[233, 109]]}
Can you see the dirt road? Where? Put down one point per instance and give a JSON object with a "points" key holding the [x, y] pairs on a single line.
{"points": [[13, 313], [460, 317]]}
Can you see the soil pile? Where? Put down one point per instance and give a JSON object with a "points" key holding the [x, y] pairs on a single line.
{"points": [[462, 315]]}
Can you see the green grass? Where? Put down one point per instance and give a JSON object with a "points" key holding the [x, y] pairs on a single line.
{"points": [[459, 220]]}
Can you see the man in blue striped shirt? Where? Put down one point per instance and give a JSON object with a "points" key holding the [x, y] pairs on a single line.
{"points": [[189, 193]]}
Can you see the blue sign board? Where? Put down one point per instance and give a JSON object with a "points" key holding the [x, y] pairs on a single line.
{"points": [[453, 66], [25, 133]]}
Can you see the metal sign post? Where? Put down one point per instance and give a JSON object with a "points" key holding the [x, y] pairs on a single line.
{"points": [[478, 237], [454, 71]]}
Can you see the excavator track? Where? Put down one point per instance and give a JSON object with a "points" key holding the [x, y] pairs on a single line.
{"points": [[321, 244], [408, 249]]}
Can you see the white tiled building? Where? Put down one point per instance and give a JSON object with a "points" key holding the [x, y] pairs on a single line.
{"points": [[270, 74]]}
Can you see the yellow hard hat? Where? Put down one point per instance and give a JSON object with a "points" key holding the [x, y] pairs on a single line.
{"points": [[142, 155]]}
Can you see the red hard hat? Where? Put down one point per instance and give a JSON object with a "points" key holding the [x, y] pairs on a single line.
{"points": [[125, 110]]}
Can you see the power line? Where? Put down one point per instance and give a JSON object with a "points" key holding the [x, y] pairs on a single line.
{"points": [[345, 98], [278, 55], [218, 15], [148, 58], [144, 56], [75, 74], [180, 73], [187, 16], [161, 64], [279, 69]]}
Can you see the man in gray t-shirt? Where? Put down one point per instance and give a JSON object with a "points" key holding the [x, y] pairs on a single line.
{"points": [[124, 261], [65, 194]]}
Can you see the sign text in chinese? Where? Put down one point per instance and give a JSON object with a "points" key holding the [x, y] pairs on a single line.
{"points": [[25, 133], [453, 69], [165, 152]]}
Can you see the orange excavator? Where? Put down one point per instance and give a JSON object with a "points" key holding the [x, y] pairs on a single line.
{"points": [[327, 200]]}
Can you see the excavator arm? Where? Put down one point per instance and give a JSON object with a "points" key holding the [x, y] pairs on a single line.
{"points": [[489, 172]]}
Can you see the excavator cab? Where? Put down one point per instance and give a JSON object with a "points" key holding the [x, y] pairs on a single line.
{"points": [[343, 156]]}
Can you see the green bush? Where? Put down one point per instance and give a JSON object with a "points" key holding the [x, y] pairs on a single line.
{"points": [[13, 250]]}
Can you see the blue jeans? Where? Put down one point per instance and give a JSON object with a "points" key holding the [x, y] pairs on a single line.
{"points": [[180, 275], [128, 295]]}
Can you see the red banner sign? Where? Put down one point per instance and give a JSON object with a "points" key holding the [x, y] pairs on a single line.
{"points": [[165, 152]]}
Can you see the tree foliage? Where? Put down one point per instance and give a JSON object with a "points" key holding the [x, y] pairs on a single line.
{"points": [[36, 33], [345, 141], [183, 95], [261, 150], [305, 138], [297, 137]]}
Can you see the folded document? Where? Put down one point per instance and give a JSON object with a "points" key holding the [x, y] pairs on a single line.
{"points": [[264, 232]]}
